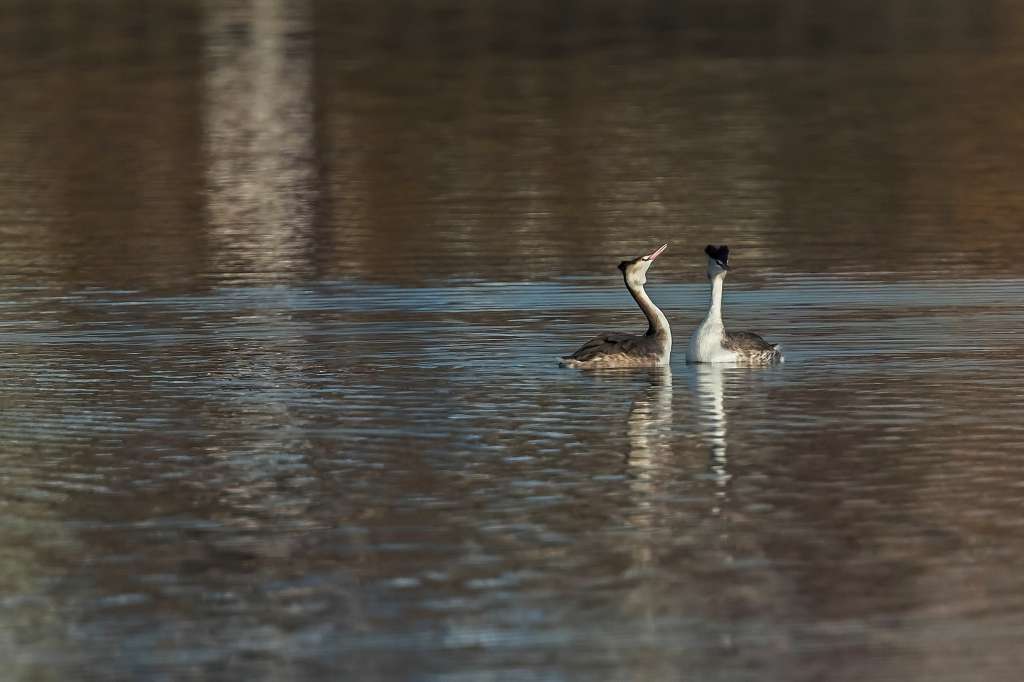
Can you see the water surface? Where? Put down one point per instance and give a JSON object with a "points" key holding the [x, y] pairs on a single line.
{"points": [[283, 287]]}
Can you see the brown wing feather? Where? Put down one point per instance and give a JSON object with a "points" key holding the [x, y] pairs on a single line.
{"points": [[608, 344], [745, 342]]}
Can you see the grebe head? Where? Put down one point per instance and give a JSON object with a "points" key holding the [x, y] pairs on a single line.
{"points": [[635, 271], [718, 260]]}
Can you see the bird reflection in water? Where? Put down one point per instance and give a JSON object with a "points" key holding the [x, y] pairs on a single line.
{"points": [[649, 431], [709, 384]]}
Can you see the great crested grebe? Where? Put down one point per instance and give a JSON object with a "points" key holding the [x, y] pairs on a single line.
{"points": [[710, 342], [651, 349]]}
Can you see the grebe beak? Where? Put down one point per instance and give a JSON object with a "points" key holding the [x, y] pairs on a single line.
{"points": [[657, 253]]}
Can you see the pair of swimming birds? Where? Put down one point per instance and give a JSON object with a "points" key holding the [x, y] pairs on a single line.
{"points": [[709, 343]]}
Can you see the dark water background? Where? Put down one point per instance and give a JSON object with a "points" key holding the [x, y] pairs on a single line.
{"points": [[283, 282]]}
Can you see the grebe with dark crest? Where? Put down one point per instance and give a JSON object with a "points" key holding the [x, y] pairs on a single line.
{"points": [[651, 349], [710, 342]]}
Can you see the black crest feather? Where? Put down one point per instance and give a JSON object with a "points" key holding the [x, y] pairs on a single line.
{"points": [[623, 265], [719, 253]]}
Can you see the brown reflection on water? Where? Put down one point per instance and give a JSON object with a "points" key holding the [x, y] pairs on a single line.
{"points": [[102, 134], [566, 157], [180, 142]]}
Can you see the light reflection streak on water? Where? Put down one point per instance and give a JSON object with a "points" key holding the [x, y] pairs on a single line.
{"points": [[258, 134], [710, 396]]}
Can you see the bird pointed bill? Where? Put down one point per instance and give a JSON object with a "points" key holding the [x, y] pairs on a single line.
{"points": [[658, 252]]}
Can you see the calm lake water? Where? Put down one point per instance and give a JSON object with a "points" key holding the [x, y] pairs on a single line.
{"points": [[283, 285]]}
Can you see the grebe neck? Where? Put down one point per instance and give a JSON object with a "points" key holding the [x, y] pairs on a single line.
{"points": [[715, 306], [657, 323]]}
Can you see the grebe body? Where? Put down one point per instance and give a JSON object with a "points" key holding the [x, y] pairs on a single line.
{"points": [[651, 349], [710, 342]]}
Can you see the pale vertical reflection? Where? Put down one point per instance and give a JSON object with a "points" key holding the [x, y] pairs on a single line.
{"points": [[649, 431], [258, 135], [711, 409], [650, 425], [260, 184]]}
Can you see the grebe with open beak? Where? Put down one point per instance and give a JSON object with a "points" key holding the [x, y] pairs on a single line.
{"points": [[651, 349]]}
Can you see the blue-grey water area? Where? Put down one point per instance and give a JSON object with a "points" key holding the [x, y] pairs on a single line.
{"points": [[283, 285]]}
